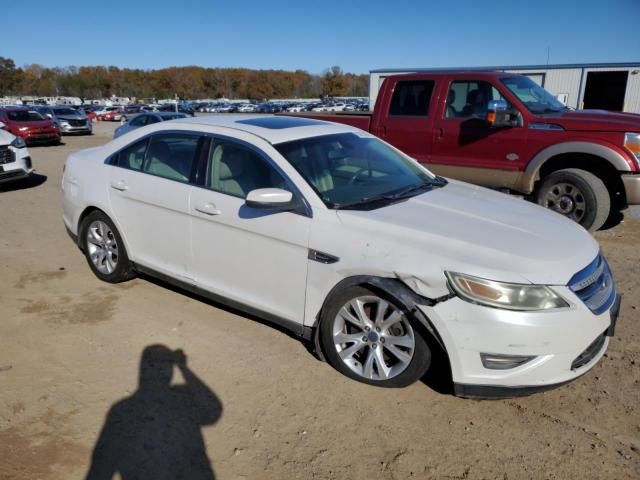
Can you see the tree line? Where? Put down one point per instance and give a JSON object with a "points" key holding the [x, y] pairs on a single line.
{"points": [[89, 82]]}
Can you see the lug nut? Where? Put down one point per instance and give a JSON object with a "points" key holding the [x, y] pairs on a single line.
{"points": [[375, 345], [367, 329], [364, 339], [377, 329], [381, 339]]}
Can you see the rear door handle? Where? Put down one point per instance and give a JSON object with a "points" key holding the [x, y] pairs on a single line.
{"points": [[119, 185], [439, 133], [207, 209]]}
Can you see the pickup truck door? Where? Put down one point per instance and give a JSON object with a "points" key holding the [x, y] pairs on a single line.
{"points": [[407, 121], [466, 148]]}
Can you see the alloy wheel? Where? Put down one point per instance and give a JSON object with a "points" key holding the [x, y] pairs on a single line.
{"points": [[373, 338], [102, 247]]}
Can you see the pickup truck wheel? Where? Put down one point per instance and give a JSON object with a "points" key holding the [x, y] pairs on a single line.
{"points": [[369, 336], [578, 195]]}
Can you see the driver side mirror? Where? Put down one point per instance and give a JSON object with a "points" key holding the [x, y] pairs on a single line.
{"points": [[500, 115], [2, 125], [272, 198]]}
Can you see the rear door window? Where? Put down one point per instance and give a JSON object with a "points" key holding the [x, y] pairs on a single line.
{"points": [[411, 98], [132, 156], [171, 155]]}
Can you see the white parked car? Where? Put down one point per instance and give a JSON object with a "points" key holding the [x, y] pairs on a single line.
{"points": [[15, 161], [247, 108], [297, 108], [340, 237]]}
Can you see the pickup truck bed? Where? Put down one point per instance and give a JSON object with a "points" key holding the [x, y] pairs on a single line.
{"points": [[358, 120]]}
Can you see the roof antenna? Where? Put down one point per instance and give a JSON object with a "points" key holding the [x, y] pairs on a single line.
{"points": [[548, 54]]}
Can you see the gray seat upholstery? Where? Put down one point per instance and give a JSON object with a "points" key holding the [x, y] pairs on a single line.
{"points": [[451, 99], [231, 172], [160, 162]]}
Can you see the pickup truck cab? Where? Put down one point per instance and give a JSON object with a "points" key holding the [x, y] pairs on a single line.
{"points": [[504, 131]]}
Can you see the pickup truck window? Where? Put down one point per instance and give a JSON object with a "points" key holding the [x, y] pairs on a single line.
{"points": [[534, 97], [469, 99], [411, 98]]}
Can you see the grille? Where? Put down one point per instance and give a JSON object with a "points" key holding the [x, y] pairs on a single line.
{"points": [[6, 155], [590, 352], [77, 123], [594, 285]]}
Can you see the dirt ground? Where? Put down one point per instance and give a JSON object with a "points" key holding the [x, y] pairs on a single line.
{"points": [[70, 349]]}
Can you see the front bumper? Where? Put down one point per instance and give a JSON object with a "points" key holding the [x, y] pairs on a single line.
{"points": [[17, 169], [555, 338], [631, 184]]}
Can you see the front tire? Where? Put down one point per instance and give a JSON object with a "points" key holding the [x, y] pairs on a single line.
{"points": [[578, 195], [370, 337], [104, 249]]}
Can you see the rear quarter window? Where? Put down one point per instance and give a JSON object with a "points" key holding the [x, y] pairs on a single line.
{"points": [[411, 98]]}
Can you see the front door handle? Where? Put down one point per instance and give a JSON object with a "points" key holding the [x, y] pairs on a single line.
{"points": [[207, 209], [119, 185], [439, 133]]}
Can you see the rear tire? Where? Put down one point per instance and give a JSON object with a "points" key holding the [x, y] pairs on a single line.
{"points": [[578, 195], [104, 249], [371, 337]]}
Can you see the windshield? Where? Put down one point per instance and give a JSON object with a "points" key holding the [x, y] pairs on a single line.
{"points": [[347, 168], [24, 116], [65, 111], [532, 95]]}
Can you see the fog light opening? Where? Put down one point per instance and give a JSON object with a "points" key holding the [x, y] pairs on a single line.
{"points": [[494, 361]]}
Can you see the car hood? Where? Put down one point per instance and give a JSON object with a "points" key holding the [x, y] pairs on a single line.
{"points": [[33, 124], [5, 137], [473, 230], [594, 120], [71, 117]]}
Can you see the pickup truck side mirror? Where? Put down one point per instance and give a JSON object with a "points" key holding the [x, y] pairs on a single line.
{"points": [[2, 125], [500, 115]]}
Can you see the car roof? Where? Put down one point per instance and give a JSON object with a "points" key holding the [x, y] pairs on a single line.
{"points": [[272, 128]]}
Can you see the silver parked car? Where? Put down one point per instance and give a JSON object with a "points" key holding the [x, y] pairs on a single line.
{"points": [[143, 119], [68, 119]]}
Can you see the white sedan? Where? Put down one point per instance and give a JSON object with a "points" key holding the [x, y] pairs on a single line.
{"points": [[346, 241]]}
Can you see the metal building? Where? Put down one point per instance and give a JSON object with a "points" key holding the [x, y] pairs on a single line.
{"points": [[608, 86]]}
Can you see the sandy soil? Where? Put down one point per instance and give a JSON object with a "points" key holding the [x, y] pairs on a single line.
{"points": [[263, 407]]}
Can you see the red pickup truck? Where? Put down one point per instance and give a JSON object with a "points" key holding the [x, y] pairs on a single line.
{"points": [[504, 131]]}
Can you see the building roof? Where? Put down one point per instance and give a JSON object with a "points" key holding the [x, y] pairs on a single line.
{"points": [[512, 67], [272, 128]]}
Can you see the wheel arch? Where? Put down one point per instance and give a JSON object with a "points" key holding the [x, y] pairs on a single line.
{"points": [[88, 210], [393, 287], [599, 160]]}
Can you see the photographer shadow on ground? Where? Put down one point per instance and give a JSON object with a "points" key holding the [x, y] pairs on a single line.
{"points": [[156, 432]]}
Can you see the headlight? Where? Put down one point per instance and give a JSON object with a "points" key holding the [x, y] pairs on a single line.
{"points": [[64, 124], [22, 129], [632, 143], [18, 143], [508, 296]]}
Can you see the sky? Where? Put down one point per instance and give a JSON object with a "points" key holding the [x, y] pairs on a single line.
{"points": [[313, 35]]}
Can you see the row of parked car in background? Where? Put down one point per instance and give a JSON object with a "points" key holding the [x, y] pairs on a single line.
{"points": [[352, 105]]}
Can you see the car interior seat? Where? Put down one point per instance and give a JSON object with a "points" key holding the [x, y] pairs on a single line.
{"points": [[160, 162], [231, 172]]}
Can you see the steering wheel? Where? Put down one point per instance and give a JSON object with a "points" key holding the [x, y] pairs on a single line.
{"points": [[357, 174]]}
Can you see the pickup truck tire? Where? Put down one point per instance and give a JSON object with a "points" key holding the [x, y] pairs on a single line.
{"points": [[371, 337], [578, 195]]}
